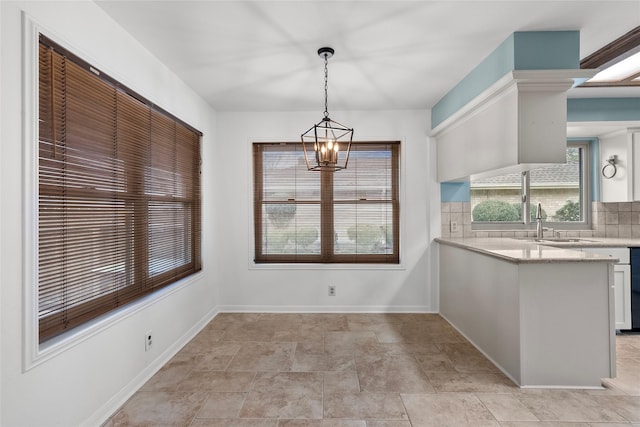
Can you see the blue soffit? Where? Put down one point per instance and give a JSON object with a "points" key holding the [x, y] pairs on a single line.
{"points": [[455, 192], [603, 109], [524, 50]]}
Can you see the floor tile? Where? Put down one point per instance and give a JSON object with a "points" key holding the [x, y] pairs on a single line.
{"points": [[435, 363], [310, 347], [466, 358], [260, 356], [506, 407], [626, 406], [250, 331], [169, 377], [217, 381], [547, 424], [385, 406], [392, 373], [570, 406], [222, 405], [349, 343], [325, 322], [203, 341], [453, 409], [361, 370], [456, 382], [341, 382], [216, 358], [234, 422], [284, 395], [160, 408], [322, 423], [628, 378], [385, 423], [322, 362]]}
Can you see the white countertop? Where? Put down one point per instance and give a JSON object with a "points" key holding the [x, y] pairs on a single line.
{"points": [[598, 242], [529, 251]]}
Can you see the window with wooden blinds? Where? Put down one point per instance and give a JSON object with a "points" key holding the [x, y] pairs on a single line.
{"points": [[349, 216], [119, 194]]}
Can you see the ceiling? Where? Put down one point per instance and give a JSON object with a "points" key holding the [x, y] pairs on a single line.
{"points": [[261, 55]]}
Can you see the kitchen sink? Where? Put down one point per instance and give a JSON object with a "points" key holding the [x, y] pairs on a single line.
{"points": [[563, 240], [556, 239]]}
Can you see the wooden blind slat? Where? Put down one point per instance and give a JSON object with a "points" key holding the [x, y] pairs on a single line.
{"points": [[119, 202]]}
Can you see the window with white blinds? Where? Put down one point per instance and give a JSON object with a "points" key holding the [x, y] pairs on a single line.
{"points": [[348, 216], [119, 194]]}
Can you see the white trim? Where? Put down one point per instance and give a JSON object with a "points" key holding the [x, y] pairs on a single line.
{"points": [[319, 266], [1, 222], [112, 405], [76, 336], [29, 192], [33, 353], [337, 309], [524, 79]]}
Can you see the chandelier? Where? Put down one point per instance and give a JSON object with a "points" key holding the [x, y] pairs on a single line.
{"points": [[326, 145]]}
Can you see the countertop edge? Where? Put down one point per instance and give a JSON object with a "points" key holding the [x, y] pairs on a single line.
{"points": [[530, 252]]}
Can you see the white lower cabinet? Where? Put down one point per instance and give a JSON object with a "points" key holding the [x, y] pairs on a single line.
{"points": [[622, 295], [621, 285]]}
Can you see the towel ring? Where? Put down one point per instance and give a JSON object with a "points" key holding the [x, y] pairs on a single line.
{"points": [[610, 169]]}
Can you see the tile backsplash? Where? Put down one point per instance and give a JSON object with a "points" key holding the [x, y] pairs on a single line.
{"points": [[608, 220]]}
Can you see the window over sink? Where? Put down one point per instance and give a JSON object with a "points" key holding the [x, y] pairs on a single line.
{"points": [[511, 199]]}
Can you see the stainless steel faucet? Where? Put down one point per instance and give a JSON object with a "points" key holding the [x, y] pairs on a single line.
{"points": [[539, 229]]}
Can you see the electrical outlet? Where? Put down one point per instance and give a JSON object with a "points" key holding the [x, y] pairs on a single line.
{"points": [[454, 226], [148, 341], [332, 290]]}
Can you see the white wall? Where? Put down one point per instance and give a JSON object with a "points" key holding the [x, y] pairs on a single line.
{"points": [[244, 286], [618, 188], [88, 380]]}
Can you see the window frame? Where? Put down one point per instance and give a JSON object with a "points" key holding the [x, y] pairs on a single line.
{"points": [[144, 196], [326, 257], [525, 205]]}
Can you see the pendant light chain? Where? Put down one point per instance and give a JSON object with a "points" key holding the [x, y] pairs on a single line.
{"points": [[326, 86]]}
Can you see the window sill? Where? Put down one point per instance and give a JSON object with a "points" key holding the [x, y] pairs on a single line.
{"points": [[314, 266], [66, 341]]}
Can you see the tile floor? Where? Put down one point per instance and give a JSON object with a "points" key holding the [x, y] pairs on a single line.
{"points": [[360, 370]]}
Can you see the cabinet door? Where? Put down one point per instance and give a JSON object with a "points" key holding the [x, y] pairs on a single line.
{"points": [[622, 295]]}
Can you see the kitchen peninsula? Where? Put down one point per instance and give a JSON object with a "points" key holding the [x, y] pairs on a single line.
{"points": [[542, 314]]}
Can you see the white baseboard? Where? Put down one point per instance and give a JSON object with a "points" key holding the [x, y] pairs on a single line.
{"points": [[323, 309], [112, 405]]}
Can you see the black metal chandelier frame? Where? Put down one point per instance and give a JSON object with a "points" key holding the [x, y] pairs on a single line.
{"points": [[322, 142]]}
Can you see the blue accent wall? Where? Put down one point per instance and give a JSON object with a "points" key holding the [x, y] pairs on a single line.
{"points": [[455, 192], [489, 71], [526, 50], [603, 109], [547, 50]]}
